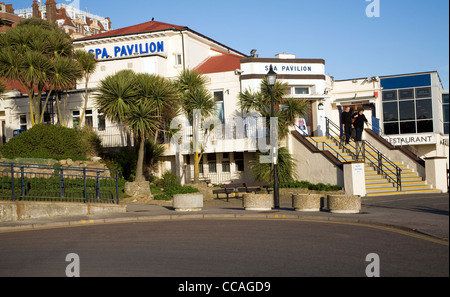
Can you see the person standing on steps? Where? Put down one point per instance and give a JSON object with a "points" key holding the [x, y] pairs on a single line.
{"points": [[347, 124], [360, 120]]}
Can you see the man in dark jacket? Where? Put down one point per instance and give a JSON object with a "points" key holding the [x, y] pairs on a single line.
{"points": [[347, 124], [360, 119]]}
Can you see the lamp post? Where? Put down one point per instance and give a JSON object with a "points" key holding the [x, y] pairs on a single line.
{"points": [[271, 79]]}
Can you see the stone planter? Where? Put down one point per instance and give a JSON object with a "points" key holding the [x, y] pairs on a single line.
{"points": [[344, 204], [188, 202], [306, 202], [260, 202]]}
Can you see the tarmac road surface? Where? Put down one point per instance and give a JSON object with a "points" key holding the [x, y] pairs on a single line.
{"points": [[221, 248]]}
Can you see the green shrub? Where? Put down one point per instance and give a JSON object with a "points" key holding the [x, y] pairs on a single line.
{"points": [[169, 180], [51, 142], [124, 161], [307, 185]]}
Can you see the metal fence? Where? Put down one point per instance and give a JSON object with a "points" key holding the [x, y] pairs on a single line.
{"points": [[31, 182]]}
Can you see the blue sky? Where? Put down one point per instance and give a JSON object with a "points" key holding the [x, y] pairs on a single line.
{"points": [[409, 36]]}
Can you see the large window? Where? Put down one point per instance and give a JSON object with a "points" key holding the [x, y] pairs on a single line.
{"points": [[407, 111], [218, 97]]}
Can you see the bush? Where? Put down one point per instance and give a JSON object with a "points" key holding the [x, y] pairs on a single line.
{"points": [[172, 186], [307, 185], [169, 180], [51, 142], [124, 161]]}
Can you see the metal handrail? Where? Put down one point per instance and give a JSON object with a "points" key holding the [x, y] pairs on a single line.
{"points": [[316, 144], [382, 169]]}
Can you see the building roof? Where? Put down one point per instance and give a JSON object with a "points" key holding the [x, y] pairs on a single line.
{"points": [[152, 26], [221, 63]]}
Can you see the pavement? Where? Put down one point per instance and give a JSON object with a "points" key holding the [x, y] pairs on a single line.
{"points": [[420, 215]]}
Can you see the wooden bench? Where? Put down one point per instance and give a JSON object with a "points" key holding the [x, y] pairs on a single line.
{"points": [[257, 186], [223, 191]]}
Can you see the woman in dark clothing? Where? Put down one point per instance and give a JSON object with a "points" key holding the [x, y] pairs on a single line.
{"points": [[360, 119]]}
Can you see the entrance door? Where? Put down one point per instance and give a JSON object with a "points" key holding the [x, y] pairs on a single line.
{"points": [[310, 120]]}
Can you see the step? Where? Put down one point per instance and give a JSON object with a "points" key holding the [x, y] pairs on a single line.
{"points": [[405, 185], [430, 191], [403, 171]]}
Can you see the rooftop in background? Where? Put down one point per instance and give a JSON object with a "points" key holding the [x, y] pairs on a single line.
{"points": [[70, 18]]}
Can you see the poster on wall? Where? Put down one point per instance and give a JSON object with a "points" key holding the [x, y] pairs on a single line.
{"points": [[302, 126]]}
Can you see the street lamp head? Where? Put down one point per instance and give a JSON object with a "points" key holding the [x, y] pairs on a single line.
{"points": [[271, 77]]}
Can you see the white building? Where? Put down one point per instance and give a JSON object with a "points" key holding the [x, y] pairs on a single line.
{"points": [[408, 110]]}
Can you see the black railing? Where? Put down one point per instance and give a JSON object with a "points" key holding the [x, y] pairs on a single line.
{"points": [[365, 151], [29, 182], [320, 145]]}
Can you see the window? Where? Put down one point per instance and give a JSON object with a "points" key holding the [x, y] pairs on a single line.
{"points": [[423, 93], [239, 161], [225, 166], [391, 128], [178, 59], [76, 119], [101, 123], [425, 126], [406, 94], [226, 162], [88, 119], [218, 97], [23, 122], [408, 111], [390, 111], [301, 91], [212, 163], [408, 127], [424, 109], [389, 95]]}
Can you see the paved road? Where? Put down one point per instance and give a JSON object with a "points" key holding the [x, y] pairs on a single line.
{"points": [[239, 248]]}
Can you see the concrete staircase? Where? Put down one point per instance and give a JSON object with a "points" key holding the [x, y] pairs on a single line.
{"points": [[376, 184]]}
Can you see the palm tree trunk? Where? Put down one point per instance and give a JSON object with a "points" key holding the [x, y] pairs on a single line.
{"points": [[86, 96], [30, 101], [196, 168], [140, 162]]}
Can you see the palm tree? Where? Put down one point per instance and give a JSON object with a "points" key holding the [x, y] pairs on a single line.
{"points": [[62, 77], [138, 102], [88, 65], [163, 92], [142, 118], [115, 94], [195, 96], [287, 110], [286, 167], [26, 55]]}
